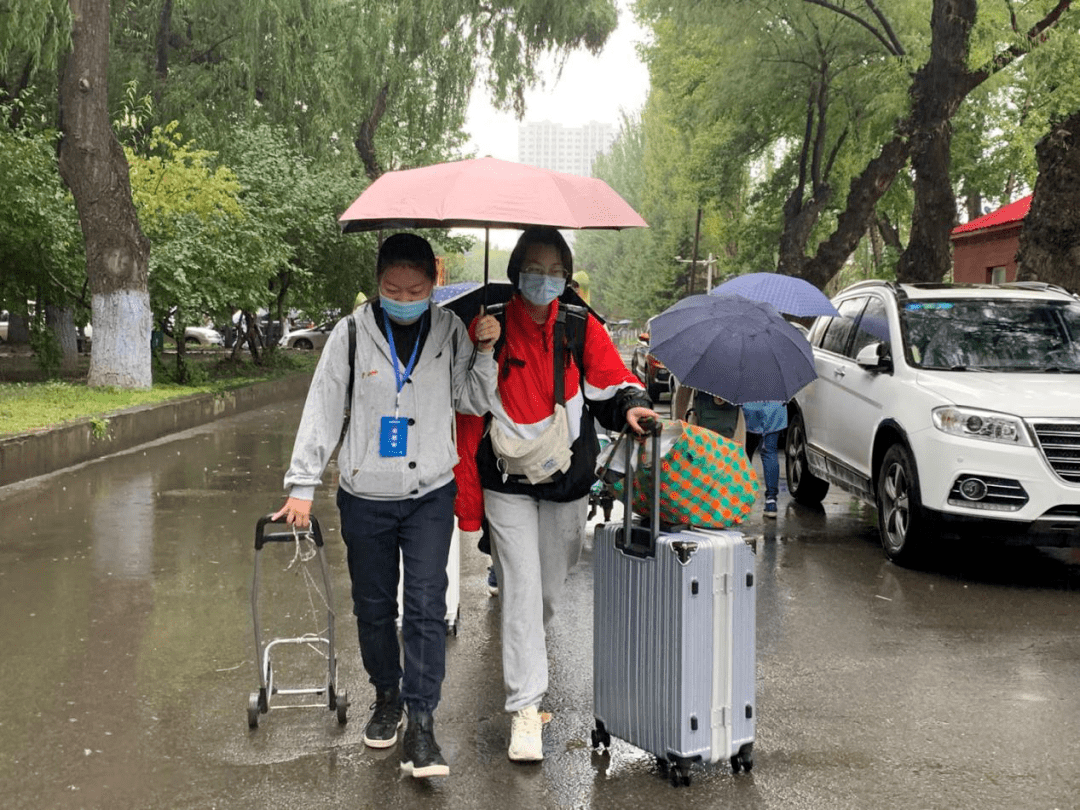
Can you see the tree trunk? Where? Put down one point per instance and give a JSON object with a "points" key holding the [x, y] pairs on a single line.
{"points": [[251, 335], [1050, 239], [866, 189], [937, 90], [18, 330], [952, 21], [93, 166], [62, 323], [365, 136]]}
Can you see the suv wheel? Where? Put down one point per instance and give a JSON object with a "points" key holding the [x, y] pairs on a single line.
{"points": [[901, 519], [303, 343], [804, 486]]}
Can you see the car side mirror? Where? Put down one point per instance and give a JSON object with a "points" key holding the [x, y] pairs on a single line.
{"points": [[874, 357]]}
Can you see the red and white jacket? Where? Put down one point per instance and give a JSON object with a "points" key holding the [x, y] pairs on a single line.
{"points": [[605, 390]]}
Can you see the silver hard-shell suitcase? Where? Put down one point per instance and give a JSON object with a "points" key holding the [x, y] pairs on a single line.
{"points": [[674, 641]]}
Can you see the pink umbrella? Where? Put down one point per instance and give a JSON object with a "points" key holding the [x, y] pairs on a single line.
{"points": [[487, 193]]}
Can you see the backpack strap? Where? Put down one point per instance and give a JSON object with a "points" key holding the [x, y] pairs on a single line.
{"points": [[577, 318], [352, 378], [569, 332]]}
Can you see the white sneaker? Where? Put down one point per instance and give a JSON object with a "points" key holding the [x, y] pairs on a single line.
{"points": [[526, 736]]}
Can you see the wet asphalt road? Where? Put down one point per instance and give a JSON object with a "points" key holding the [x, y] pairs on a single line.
{"points": [[127, 660]]}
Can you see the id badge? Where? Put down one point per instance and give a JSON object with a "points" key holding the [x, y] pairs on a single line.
{"points": [[393, 436]]}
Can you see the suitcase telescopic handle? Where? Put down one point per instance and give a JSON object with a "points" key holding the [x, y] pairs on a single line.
{"points": [[262, 537], [639, 541]]}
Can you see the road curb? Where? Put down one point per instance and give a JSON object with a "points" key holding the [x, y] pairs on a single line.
{"points": [[39, 452]]}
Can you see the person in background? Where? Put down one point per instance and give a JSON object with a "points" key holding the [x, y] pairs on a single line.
{"points": [[715, 413], [396, 488], [536, 462], [764, 423]]}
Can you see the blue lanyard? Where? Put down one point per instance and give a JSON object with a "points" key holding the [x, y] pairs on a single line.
{"points": [[398, 375]]}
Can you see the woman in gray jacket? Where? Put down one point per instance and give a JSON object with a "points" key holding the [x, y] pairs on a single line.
{"points": [[396, 488]]}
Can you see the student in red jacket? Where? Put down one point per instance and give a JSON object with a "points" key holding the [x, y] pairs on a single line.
{"points": [[537, 458]]}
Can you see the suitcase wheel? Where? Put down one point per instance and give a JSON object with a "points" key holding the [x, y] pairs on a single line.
{"points": [[744, 760], [600, 736], [679, 773]]}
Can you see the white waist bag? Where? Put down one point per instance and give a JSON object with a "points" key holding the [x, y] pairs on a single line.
{"points": [[536, 459]]}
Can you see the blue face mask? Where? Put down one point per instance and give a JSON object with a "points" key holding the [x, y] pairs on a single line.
{"points": [[404, 312], [540, 289]]}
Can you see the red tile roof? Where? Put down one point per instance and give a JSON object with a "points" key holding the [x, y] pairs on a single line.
{"points": [[1006, 215]]}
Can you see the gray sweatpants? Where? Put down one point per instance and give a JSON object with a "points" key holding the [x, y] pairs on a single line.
{"points": [[534, 545]]}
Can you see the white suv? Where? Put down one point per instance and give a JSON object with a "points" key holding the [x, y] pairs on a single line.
{"points": [[954, 409]]}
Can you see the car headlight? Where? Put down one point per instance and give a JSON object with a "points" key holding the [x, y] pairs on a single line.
{"points": [[973, 423]]}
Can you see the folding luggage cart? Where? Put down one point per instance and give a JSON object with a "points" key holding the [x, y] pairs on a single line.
{"points": [[674, 640], [261, 702]]}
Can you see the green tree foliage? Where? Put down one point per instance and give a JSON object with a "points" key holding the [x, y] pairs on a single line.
{"points": [[804, 112], [354, 87], [634, 273], [33, 35], [41, 249], [391, 79]]}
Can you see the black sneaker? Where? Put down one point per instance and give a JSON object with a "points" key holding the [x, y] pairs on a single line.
{"points": [[420, 754], [386, 718]]}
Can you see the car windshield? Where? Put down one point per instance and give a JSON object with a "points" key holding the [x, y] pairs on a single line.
{"points": [[993, 334]]}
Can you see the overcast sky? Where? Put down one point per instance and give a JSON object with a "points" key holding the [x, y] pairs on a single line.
{"points": [[591, 88]]}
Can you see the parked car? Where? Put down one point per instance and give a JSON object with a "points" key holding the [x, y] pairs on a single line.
{"points": [[314, 338], [954, 409], [652, 373], [203, 336]]}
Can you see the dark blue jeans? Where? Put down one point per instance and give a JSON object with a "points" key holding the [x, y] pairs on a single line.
{"points": [[770, 464], [375, 534]]}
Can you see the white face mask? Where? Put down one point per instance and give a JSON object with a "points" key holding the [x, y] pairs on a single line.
{"points": [[540, 289]]}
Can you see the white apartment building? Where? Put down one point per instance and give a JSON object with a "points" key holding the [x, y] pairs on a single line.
{"points": [[559, 148]]}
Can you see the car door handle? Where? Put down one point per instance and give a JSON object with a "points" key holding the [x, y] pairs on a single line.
{"points": [[839, 372]]}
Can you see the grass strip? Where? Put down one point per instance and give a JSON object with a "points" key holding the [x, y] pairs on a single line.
{"points": [[26, 406]]}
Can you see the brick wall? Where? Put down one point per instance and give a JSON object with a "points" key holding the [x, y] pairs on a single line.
{"points": [[976, 254]]}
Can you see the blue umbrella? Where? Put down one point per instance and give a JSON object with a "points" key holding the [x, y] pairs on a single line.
{"points": [[788, 294], [448, 291], [731, 347]]}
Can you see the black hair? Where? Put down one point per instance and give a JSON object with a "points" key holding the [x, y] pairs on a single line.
{"points": [[539, 235], [406, 248]]}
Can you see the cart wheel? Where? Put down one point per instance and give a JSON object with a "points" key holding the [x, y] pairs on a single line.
{"points": [[343, 708], [253, 710]]}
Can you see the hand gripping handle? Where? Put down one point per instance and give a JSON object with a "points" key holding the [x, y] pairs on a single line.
{"points": [[261, 537]]}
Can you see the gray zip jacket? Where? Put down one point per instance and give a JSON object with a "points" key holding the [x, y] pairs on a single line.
{"points": [[441, 383]]}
